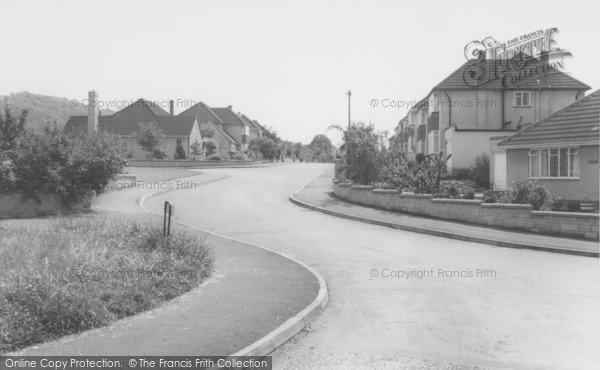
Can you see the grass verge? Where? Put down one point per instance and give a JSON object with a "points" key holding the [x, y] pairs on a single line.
{"points": [[73, 274]]}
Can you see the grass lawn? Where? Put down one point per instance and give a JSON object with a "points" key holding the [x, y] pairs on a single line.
{"points": [[68, 274], [153, 175]]}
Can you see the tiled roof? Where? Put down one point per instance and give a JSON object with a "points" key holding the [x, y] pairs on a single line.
{"points": [[126, 121], [250, 123], [203, 112], [142, 105], [522, 71], [576, 123], [228, 116], [169, 125]]}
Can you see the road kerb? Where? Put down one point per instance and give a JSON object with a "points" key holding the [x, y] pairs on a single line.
{"points": [[445, 234], [290, 327]]}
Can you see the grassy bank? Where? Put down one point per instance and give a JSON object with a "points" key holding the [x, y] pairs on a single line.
{"points": [[67, 275]]}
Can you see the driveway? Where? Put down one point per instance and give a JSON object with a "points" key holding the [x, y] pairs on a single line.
{"points": [[401, 299]]}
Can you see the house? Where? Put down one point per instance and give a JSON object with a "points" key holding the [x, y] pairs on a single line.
{"points": [[482, 100], [255, 129], [177, 130], [561, 150], [226, 143]]}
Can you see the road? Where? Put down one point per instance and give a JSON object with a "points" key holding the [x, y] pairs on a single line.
{"points": [[463, 304]]}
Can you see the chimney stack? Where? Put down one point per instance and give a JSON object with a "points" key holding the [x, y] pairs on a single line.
{"points": [[92, 125], [230, 107], [172, 107]]}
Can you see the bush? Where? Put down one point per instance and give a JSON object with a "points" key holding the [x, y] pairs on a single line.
{"points": [[215, 157], [73, 274], [239, 156], [72, 166], [528, 192], [179, 152], [158, 153], [490, 197], [452, 189]]}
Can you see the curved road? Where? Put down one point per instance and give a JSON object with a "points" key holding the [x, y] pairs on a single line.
{"points": [[534, 309]]}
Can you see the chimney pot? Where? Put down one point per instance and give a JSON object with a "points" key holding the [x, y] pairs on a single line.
{"points": [[172, 107], [92, 125]]}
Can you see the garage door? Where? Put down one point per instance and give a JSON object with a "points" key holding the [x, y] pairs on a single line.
{"points": [[500, 170]]}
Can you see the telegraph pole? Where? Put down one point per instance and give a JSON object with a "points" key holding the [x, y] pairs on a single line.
{"points": [[349, 93]]}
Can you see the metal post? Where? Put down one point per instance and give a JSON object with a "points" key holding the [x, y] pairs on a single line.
{"points": [[167, 218]]}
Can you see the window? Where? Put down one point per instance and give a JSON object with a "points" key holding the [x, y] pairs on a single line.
{"points": [[554, 163], [178, 142], [522, 99]]}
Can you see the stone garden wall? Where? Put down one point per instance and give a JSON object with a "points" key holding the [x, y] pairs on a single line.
{"points": [[511, 216]]}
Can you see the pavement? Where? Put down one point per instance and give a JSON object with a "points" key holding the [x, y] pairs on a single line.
{"points": [[318, 195], [255, 299], [390, 306]]}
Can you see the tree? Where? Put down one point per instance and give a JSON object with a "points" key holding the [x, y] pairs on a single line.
{"points": [[265, 146], [363, 145], [322, 148], [150, 138], [11, 129]]}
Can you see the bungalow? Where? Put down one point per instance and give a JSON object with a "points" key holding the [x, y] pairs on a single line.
{"points": [[177, 130], [482, 100], [561, 150]]}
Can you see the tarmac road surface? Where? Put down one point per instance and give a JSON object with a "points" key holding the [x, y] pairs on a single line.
{"points": [[402, 299]]}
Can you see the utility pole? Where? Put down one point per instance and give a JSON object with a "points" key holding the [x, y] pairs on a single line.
{"points": [[349, 93]]}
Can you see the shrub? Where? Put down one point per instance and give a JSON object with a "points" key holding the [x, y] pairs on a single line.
{"points": [[70, 275], [159, 153], [528, 192], [264, 146], [150, 138], [210, 147], [179, 152], [490, 198], [72, 166], [452, 189], [239, 156], [215, 157], [196, 149]]}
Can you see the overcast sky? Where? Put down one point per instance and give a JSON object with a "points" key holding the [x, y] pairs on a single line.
{"points": [[286, 64]]}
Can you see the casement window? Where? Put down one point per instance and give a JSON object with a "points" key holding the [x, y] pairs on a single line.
{"points": [[554, 163], [522, 99]]}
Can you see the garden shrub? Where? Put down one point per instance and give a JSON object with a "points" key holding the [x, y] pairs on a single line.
{"points": [[179, 152], [528, 192], [452, 189], [73, 166], [215, 157], [239, 156]]}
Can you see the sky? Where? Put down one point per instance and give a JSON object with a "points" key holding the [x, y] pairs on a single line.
{"points": [[287, 64]]}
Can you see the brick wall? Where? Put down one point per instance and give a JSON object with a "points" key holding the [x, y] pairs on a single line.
{"points": [[511, 216]]}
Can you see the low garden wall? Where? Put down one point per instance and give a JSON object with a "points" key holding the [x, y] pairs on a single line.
{"points": [[512, 216], [19, 204], [194, 164]]}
